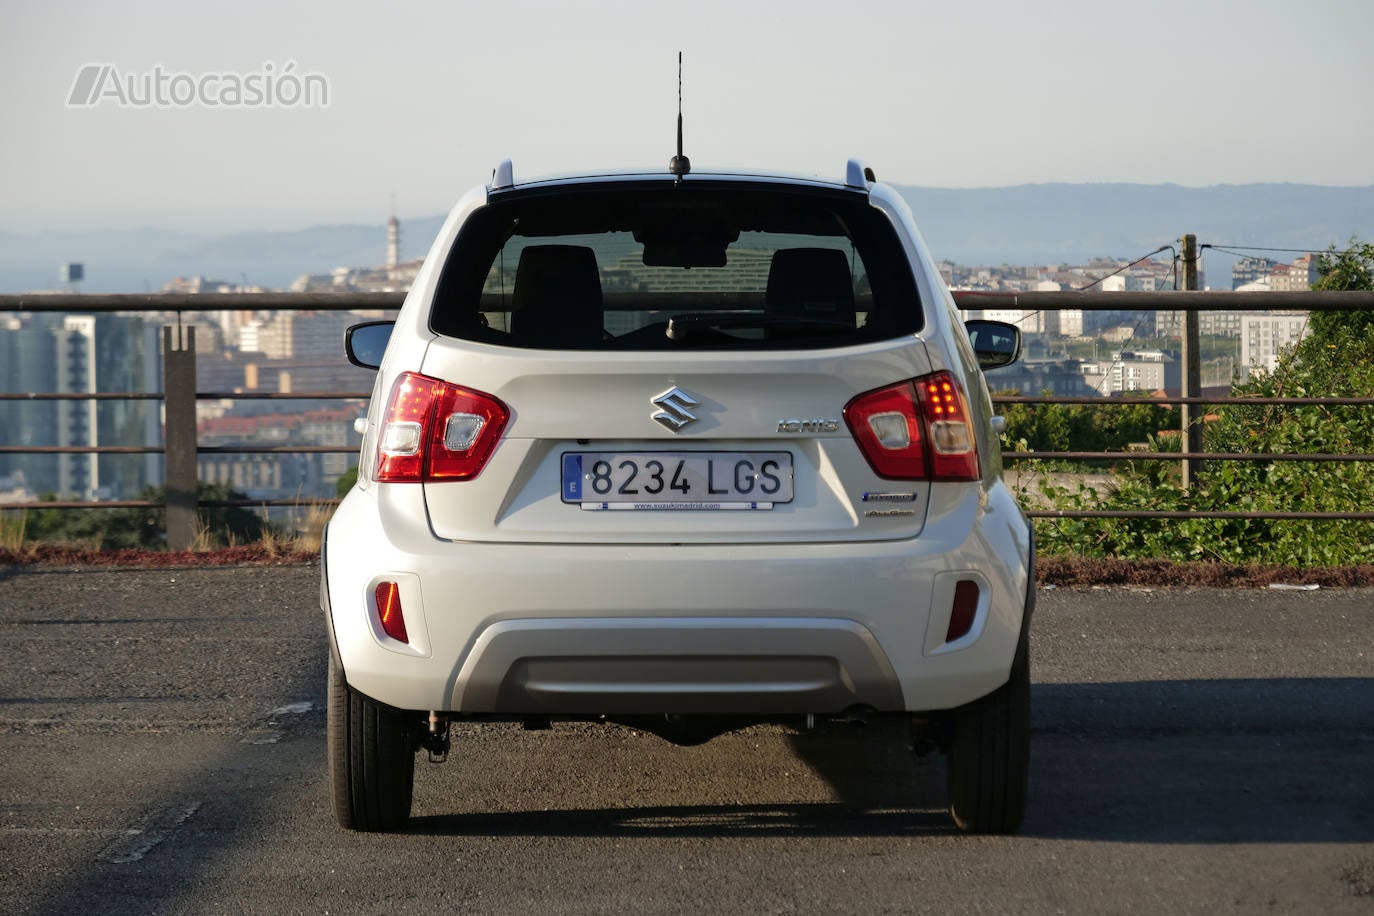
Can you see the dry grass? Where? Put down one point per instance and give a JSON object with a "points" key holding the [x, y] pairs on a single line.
{"points": [[302, 546], [74, 555], [310, 533], [299, 545], [1058, 571], [12, 529], [202, 538]]}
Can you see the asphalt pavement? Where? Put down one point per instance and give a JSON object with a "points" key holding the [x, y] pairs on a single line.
{"points": [[1194, 751]]}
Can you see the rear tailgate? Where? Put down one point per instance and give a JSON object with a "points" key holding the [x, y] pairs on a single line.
{"points": [[753, 413]]}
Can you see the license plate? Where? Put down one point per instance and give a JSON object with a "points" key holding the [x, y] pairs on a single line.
{"points": [[650, 481]]}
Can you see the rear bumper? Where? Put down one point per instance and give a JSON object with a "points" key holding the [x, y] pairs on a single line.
{"points": [[644, 629], [647, 665]]}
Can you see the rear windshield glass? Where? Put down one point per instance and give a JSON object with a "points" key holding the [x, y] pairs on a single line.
{"points": [[697, 265]]}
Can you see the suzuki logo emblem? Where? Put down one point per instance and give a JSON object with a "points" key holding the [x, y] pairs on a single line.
{"points": [[674, 414]]}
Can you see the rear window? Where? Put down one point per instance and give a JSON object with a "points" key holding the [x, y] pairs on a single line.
{"points": [[696, 265]]}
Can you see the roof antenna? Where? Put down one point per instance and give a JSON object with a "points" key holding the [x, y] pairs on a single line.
{"points": [[679, 165]]}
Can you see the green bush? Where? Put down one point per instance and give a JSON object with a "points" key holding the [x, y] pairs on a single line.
{"points": [[1335, 360], [146, 528]]}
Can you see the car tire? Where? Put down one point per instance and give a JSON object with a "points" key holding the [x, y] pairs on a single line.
{"points": [[989, 754], [371, 759]]}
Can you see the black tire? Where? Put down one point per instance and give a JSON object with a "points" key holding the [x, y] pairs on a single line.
{"points": [[371, 759], [989, 754]]}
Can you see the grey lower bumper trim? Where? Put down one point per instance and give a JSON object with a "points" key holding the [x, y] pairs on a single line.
{"points": [[683, 665]]}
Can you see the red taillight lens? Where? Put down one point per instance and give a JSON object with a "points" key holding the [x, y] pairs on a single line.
{"points": [[886, 426], [916, 430], [437, 431], [389, 611], [953, 449]]}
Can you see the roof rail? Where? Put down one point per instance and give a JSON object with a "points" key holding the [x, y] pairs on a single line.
{"points": [[858, 175], [503, 176]]}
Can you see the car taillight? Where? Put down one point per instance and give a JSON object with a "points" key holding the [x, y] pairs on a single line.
{"points": [[916, 430], [437, 431]]}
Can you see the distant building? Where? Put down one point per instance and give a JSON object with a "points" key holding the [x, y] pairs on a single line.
{"points": [[1134, 371], [1168, 324], [80, 354], [394, 276], [196, 285], [1221, 324], [1267, 336], [1071, 322], [1059, 379], [1296, 277], [298, 335], [74, 353], [279, 475], [393, 242], [1030, 321], [28, 363], [1250, 270]]}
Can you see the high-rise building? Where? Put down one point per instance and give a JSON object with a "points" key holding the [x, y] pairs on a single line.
{"points": [[129, 358], [80, 354], [27, 365], [77, 475]]}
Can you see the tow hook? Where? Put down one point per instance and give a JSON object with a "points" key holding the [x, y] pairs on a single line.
{"points": [[436, 740]]}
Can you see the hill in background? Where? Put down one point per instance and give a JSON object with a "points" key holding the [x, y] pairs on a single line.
{"points": [[1055, 223], [1027, 224]]}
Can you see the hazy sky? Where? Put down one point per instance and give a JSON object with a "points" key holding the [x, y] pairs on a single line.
{"points": [[425, 98]]}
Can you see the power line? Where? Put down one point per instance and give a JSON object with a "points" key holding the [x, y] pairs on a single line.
{"points": [[1229, 249], [1253, 248], [1123, 269], [1173, 274]]}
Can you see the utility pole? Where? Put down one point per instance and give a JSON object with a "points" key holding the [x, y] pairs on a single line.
{"points": [[1192, 414]]}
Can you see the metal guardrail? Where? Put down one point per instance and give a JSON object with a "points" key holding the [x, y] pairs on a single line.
{"points": [[180, 396]]}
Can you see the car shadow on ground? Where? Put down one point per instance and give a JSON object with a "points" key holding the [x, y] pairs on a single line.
{"points": [[1209, 762], [1263, 760], [693, 821]]}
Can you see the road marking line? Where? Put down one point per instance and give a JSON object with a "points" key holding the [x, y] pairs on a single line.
{"points": [[156, 827], [262, 737], [74, 831]]}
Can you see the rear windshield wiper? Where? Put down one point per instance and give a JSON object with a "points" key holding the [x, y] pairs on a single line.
{"points": [[681, 327]]}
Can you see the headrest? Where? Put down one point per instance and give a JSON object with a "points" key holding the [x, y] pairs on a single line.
{"points": [[557, 298], [811, 282]]}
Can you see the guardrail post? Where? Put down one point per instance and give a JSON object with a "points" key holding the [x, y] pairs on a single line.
{"points": [[1191, 433], [179, 392]]}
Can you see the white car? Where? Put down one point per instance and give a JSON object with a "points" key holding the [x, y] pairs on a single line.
{"points": [[687, 452]]}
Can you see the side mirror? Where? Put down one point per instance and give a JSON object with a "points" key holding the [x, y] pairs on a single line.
{"points": [[996, 342], [366, 343]]}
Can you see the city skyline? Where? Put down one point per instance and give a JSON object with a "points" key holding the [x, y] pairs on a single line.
{"points": [[988, 95]]}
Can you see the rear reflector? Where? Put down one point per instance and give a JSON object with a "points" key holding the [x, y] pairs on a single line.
{"points": [[965, 609], [916, 430], [437, 431], [389, 611]]}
